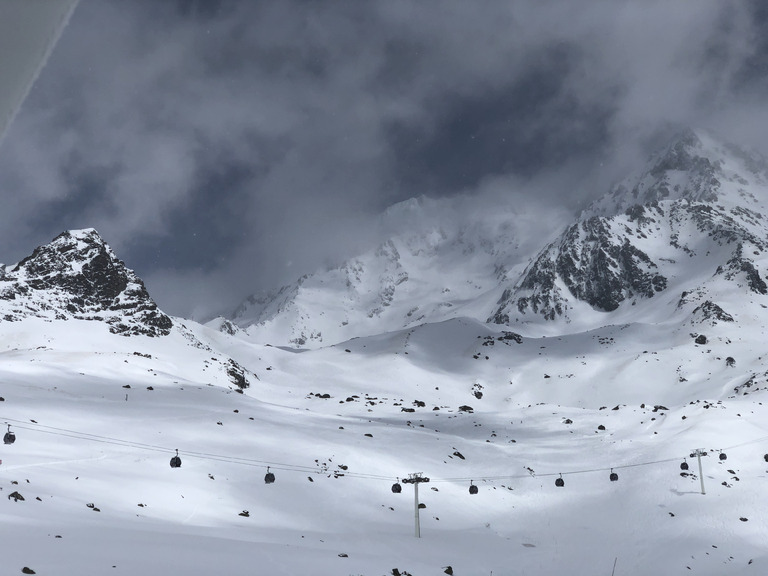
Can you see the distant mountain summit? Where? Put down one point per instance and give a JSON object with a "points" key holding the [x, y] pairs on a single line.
{"points": [[439, 263], [695, 167], [683, 238], [694, 215], [78, 276]]}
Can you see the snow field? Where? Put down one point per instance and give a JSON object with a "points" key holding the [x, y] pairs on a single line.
{"points": [[653, 520]]}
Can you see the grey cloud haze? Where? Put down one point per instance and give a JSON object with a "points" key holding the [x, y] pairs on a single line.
{"points": [[223, 147]]}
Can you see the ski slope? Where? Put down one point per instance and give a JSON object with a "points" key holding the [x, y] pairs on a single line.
{"points": [[91, 434]]}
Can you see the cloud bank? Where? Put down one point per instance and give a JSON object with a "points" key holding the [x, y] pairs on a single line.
{"points": [[222, 147]]}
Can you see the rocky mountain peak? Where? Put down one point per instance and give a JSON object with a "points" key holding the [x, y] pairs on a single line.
{"points": [[693, 217], [78, 276], [694, 166]]}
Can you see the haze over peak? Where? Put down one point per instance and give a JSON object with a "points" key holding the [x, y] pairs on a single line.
{"points": [[691, 213], [694, 165]]}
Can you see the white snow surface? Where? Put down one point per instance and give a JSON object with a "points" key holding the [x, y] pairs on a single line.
{"points": [[92, 435]]}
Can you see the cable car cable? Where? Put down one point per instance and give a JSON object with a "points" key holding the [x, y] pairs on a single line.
{"points": [[66, 433]]}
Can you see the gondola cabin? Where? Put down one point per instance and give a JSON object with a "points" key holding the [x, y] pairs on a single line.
{"points": [[9, 437]]}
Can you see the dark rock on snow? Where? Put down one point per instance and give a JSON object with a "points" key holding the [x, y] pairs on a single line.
{"points": [[78, 276]]}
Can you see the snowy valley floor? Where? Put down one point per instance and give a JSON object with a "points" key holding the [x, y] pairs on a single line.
{"points": [[94, 441]]}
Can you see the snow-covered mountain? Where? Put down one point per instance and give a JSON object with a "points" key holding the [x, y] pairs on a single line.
{"points": [[78, 276], [684, 236], [560, 443], [435, 269], [689, 231]]}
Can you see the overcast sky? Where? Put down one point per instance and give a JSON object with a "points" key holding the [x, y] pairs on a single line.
{"points": [[224, 147]]}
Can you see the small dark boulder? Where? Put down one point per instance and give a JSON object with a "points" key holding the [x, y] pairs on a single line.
{"points": [[237, 375]]}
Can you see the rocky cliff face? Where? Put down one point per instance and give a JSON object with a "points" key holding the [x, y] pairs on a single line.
{"points": [[78, 276]]}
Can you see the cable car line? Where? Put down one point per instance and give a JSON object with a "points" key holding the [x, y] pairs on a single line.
{"points": [[747, 443], [63, 432], [66, 433], [548, 474]]}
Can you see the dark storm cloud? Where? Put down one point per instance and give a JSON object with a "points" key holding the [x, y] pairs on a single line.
{"points": [[751, 75], [528, 124], [227, 146]]}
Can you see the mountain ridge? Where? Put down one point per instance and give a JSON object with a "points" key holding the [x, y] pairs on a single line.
{"points": [[631, 245], [696, 198], [399, 283], [77, 275]]}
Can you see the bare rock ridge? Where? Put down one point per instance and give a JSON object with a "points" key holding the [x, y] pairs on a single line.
{"points": [[78, 276]]}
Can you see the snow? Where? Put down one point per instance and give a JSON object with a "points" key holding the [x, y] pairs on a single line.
{"points": [[69, 377], [705, 220], [442, 261], [509, 409]]}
